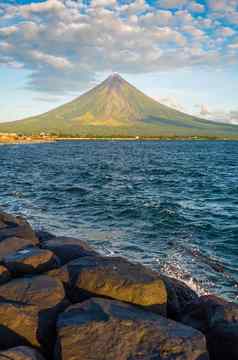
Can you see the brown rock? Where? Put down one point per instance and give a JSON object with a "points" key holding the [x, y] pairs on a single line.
{"points": [[44, 292], [15, 226], [15, 233], [19, 325], [63, 275], [12, 244], [100, 329], [31, 261], [68, 249], [4, 275], [218, 320], [117, 278], [21, 353], [8, 220]]}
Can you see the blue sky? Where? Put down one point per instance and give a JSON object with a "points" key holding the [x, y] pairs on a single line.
{"points": [[183, 53]]}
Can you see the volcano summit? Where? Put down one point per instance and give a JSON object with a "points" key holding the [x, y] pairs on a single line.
{"points": [[115, 108]]}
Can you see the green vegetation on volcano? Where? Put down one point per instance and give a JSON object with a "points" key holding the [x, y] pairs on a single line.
{"points": [[116, 108]]}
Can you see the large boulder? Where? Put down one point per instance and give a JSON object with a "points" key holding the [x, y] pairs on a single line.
{"points": [[15, 226], [44, 235], [4, 275], [19, 324], [179, 295], [218, 320], [43, 292], [12, 244], [68, 249], [100, 329], [15, 234], [21, 353], [31, 261], [62, 274], [7, 220], [119, 279]]}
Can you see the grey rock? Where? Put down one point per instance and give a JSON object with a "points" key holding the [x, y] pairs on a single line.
{"points": [[102, 329]]}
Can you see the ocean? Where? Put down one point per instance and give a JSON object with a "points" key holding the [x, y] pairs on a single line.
{"points": [[172, 205]]}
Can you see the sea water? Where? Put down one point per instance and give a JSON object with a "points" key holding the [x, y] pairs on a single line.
{"points": [[172, 205]]}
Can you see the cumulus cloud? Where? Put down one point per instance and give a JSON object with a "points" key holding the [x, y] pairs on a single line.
{"points": [[196, 7], [172, 4], [172, 102], [66, 44], [218, 115]]}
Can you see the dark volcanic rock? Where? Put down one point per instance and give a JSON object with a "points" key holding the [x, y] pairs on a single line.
{"points": [[15, 233], [118, 279], [31, 261], [4, 275], [44, 235], [21, 353], [44, 292], [179, 294], [68, 249], [7, 220], [100, 329], [218, 320], [19, 325], [16, 226], [12, 244], [63, 275]]}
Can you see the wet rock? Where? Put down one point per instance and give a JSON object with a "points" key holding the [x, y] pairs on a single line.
{"points": [[19, 325], [179, 294], [21, 353], [44, 292], [31, 261], [17, 227], [68, 249], [7, 220], [15, 234], [63, 275], [222, 341], [12, 244], [4, 275], [218, 320], [100, 329], [44, 235], [118, 279]]}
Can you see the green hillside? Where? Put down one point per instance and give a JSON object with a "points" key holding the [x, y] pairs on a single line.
{"points": [[116, 108]]}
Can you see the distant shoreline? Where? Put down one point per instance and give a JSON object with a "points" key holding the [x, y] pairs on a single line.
{"points": [[15, 139], [162, 138]]}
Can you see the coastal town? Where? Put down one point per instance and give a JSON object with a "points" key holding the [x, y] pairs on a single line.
{"points": [[13, 138]]}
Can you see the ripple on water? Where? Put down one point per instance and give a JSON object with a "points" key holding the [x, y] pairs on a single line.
{"points": [[169, 205]]}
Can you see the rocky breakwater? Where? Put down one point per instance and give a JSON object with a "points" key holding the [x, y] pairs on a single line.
{"points": [[60, 299]]}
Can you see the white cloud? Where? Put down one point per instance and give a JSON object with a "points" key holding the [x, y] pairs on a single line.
{"points": [[65, 44], [57, 62], [196, 7], [172, 102], [8, 31], [218, 115], [41, 7], [233, 45], [172, 4], [225, 31]]}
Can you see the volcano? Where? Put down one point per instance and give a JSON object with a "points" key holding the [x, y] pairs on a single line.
{"points": [[116, 108]]}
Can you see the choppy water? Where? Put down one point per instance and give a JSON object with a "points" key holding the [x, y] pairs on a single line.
{"points": [[172, 205]]}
